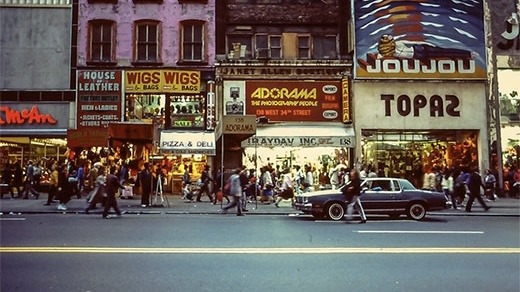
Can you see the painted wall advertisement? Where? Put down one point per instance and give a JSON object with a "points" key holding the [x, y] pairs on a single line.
{"points": [[505, 28], [420, 39], [276, 100]]}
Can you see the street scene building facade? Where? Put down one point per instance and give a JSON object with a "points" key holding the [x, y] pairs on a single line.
{"points": [[246, 82], [420, 91]]}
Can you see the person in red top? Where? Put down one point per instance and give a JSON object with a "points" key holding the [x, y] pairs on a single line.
{"points": [[112, 187]]}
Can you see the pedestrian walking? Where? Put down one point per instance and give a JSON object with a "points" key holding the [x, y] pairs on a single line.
{"points": [[286, 189], [206, 181], [186, 181], [29, 182], [447, 184], [489, 185], [7, 178], [144, 180], [474, 185], [113, 184], [17, 179], [244, 183], [352, 193], [235, 190], [98, 193], [308, 182], [65, 191], [53, 185]]}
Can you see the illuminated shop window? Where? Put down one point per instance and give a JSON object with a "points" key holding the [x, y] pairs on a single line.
{"points": [[187, 111], [408, 154], [144, 107]]}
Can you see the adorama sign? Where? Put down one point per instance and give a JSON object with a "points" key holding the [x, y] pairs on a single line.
{"points": [[295, 100]]}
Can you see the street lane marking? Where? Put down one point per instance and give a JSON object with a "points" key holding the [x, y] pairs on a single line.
{"points": [[419, 231], [12, 219], [265, 250]]}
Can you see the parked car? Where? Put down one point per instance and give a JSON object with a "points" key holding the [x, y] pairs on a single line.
{"points": [[387, 196]]}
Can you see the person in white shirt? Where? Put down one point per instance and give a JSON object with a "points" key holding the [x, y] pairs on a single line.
{"points": [[287, 188]]}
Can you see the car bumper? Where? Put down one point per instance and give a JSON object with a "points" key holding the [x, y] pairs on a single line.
{"points": [[307, 208]]}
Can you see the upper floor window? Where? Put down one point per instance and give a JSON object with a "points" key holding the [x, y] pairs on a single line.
{"points": [[277, 45], [147, 42], [268, 46], [101, 40], [304, 46], [192, 44]]}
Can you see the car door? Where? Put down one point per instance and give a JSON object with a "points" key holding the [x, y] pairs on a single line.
{"points": [[379, 195]]}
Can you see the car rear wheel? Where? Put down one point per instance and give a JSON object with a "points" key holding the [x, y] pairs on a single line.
{"points": [[335, 211], [416, 211]]}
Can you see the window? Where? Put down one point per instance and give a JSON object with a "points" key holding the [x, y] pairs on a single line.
{"points": [[147, 42], [192, 36], [101, 40], [268, 46], [324, 47], [239, 46], [304, 47]]}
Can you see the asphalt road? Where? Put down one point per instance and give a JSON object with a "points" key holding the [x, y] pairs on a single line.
{"points": [[257, 253]]}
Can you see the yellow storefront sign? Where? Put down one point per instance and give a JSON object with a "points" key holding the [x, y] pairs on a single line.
{"points": [[160, 81]]}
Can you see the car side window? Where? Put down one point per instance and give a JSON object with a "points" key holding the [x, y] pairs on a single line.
{"points": [[383, 185], [396, 186]]}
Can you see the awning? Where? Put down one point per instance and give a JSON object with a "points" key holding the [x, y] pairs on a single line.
{"points": [[183, 142], [87, 138], [299, 135], [138, 133]]}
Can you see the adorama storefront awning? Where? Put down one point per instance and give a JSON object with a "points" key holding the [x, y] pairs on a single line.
{"points": [[300, 135], [183, 142]]}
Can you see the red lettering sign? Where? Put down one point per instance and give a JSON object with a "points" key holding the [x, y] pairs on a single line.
{"points": [[26, 116]]}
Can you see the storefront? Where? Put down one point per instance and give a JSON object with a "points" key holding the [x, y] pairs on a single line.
{"points": [[411, 127], [34, 130], [302, 115], [186, 149], [180, 105]]}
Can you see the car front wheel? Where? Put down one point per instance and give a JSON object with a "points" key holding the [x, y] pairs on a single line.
{"points": [[335, 211], [417, 211]]}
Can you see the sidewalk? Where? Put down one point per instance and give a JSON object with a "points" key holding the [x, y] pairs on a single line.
{"points": [[174, 205]]}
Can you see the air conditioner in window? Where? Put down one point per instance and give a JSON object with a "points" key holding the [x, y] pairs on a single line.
{"points": [[263, 53]]}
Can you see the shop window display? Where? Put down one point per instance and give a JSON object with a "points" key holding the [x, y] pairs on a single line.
{"points": [[144, 107], [187, 111], [409, 155]]}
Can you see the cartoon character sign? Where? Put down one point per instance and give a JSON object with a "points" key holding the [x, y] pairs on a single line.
{"points": [[422, 39]]}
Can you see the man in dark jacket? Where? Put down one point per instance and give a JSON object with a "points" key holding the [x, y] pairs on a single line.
{"points": [[144, 180], [112, 188], [352, 192], [474, 185]]}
